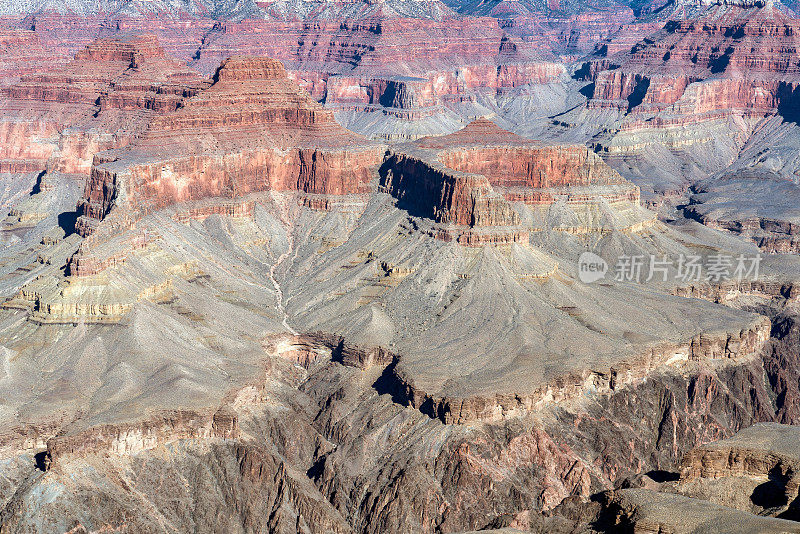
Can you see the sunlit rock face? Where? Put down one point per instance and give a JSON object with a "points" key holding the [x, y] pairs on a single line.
{"points": [[733, 56], [252, 130], [59, 118], [366, 51], [471, 178]]}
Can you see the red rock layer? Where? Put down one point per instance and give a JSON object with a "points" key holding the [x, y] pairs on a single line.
{"points": [[66, 34], [388, 61], [574, 35], [414, 92], [445, 196], [628, 36], [21, 53], [381, 47], [469, 177], [107, 66], [746, 57], [252, 130], [453, 53], [531, 167], [100, 100]]}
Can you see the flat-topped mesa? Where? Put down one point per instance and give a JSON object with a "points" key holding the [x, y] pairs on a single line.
{"points": [[759, 451], [133, 51], [250, 69], [469, 179], [252, 130], [740, 55]]}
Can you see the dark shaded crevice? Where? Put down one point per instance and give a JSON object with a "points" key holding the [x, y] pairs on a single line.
{"points": [[316, 471], [389, 384], [789, 102], [587, 90], [610, 518], [583, 72], [637, 96], [37, 187], [661, 475], [42, 461], [719, 64], [67, 221], [792, 513]]}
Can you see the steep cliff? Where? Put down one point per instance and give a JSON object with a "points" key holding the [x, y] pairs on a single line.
{"points": [[471, 178], [252, 130], [732, 56], [105, 96]]}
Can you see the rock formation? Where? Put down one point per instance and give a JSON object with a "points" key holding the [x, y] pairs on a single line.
{"points": [[252, 130], [459, 61], [755, 470], [59, 119], [734, 57], [744, 483], [364, 69], [679, 105], [471, 177], [641, 510]]}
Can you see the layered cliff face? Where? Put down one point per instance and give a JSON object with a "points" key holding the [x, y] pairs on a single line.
{"points": [[571, 28], [754, 203], [687, 101], [306, 433], [571, 36], [463, 58], [268, 323], [417, 71], [252, 130], [60, 118], [744, 483], [760, 462], [21, 52], [735, 57], [471, 178], [329, 365]]}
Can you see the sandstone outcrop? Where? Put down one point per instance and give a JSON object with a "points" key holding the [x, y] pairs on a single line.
{"points": [[100, 100], [252, 130], [756, 471], [641, 510], [133, 438], [470, 179], [732, 57], [746, 482]]}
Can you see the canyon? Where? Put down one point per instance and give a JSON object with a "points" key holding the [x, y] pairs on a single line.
{"points": [[322, 267]]}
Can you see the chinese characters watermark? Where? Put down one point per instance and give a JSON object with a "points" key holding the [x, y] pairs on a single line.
{"points": [[684, 268]]}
